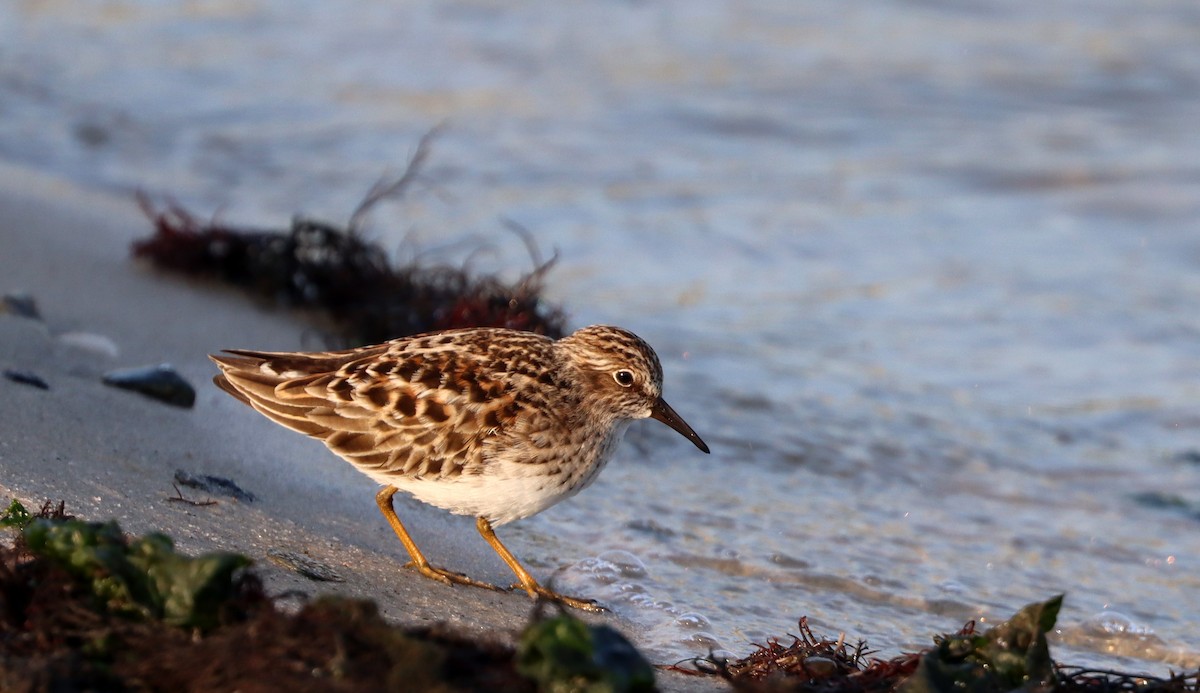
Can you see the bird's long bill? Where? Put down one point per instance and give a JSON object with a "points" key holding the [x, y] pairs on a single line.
{"points": [[664, 413]]}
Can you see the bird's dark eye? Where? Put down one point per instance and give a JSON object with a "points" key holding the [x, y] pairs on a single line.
{"points": [[623, 377]]}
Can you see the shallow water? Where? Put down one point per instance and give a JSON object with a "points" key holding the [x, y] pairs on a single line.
{"points": [[924, 274]]}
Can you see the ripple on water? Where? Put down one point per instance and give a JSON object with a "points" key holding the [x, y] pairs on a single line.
{"points": [[620, 580], [1117, 634]]}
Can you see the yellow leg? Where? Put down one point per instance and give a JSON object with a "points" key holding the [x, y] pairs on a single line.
{"points": [[384, 499], [527, 582]]}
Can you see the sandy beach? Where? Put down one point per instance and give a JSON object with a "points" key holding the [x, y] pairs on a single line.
{"points": [[109, 453]]}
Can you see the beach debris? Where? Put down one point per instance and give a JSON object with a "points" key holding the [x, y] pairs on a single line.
{"points": [[808, 663], [26, 378], [179, 498], [305, 565], [141, 578], [89, 608], [16, 516], [83, 607], [216, 485], [160, 382], [338, 273], [20, 304], [1013, 655], [563, 653]]}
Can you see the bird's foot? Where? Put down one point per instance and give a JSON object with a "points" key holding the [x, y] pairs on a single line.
{"points": [[449, 577], [536, 591]]}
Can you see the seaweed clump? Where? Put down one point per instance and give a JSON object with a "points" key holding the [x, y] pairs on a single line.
{"points": [[85, 607], [337, 272], [810, 663], [1012, 656]]}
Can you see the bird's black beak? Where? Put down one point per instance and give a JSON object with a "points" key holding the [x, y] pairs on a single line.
{"points": [[664, 413]]}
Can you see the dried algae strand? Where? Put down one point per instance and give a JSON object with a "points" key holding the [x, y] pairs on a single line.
{"points": [[336, 272]]}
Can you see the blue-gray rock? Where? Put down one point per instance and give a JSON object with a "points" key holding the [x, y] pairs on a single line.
{"points": [[160, 382]]}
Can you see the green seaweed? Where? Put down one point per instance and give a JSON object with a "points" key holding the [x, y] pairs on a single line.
{"points": [[1012, 656], [15, 515], [143, 578], [564, 654]]}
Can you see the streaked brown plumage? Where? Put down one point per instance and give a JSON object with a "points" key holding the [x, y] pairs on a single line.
{"points": [[494, 423]]}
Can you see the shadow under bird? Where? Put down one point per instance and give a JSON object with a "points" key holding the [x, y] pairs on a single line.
{"points": [[493, 423]]}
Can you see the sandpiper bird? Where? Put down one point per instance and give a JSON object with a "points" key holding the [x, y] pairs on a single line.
{"points": [[494, 423]]}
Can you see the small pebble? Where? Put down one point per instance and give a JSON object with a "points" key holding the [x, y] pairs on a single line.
{"points": [[90, 342], [26, 378], [820, 667], [21, 304], [159, 382]]}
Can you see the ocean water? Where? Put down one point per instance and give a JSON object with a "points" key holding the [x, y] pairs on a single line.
{"points": [[925, 275]]}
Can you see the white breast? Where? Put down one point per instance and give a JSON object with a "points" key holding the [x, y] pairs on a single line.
{"points": [[509, 490]]}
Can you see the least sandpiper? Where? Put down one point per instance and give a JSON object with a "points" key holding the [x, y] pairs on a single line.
{"points": [[493, 423]]}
